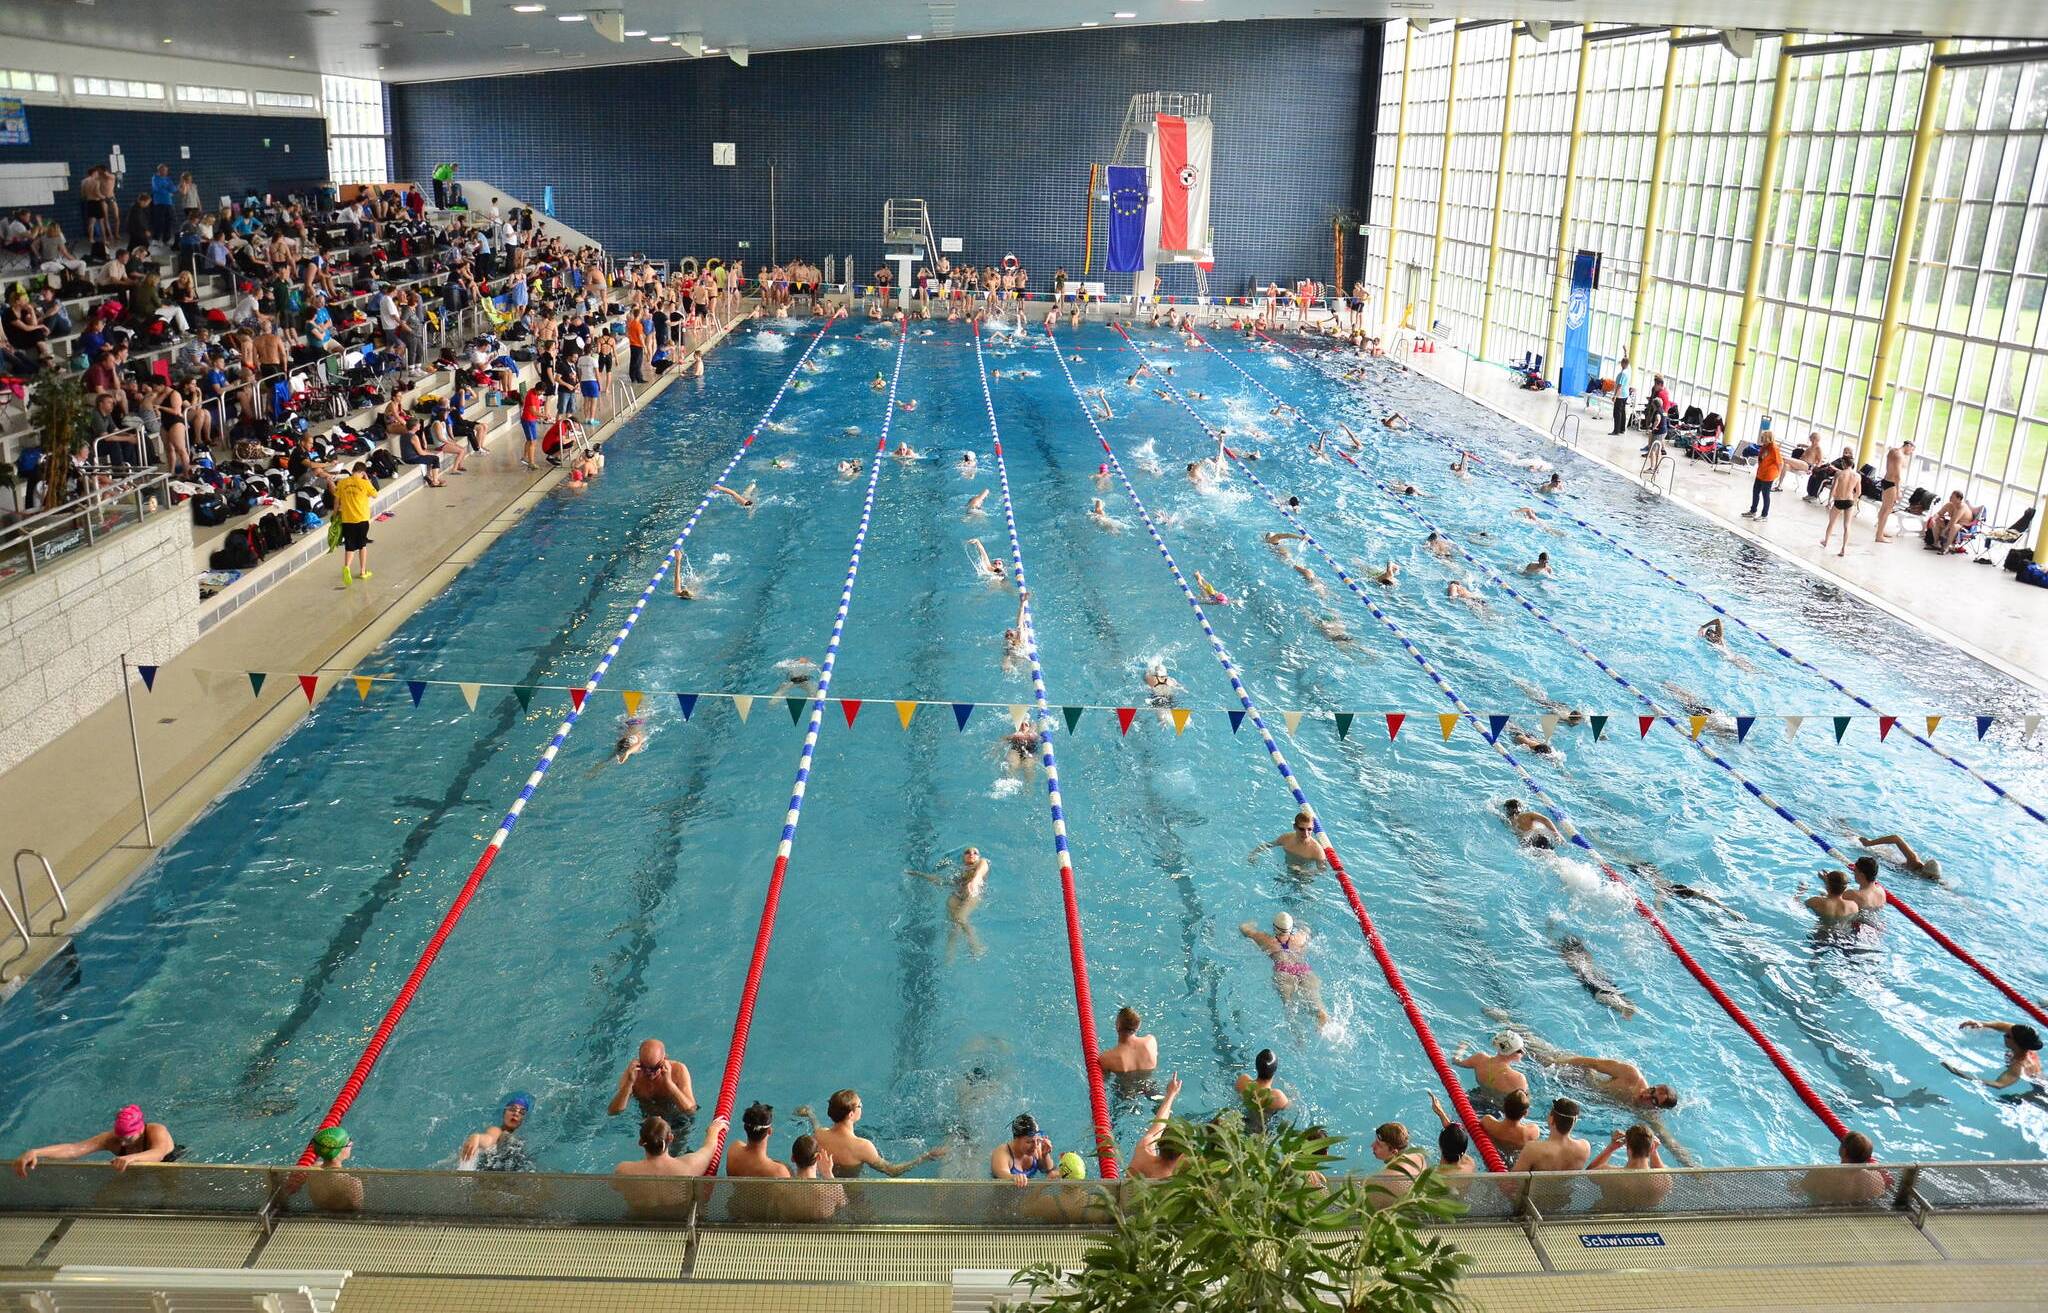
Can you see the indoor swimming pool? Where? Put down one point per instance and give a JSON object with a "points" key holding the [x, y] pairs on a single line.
{"points": [[232, 988]]}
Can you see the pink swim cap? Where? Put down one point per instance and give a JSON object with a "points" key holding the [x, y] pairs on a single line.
{"points": [[1102, 468], [128, 1122]]}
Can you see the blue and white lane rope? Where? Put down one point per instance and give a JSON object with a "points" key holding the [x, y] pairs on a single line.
{"points": [[1550, 804], [1718, 609], [743, 1020], [1084, 1001], [375, 1048], [1481, 1142], [2023, 1001]]}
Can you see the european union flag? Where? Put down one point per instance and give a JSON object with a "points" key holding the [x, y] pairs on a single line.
{"points": [[1126, 218]]}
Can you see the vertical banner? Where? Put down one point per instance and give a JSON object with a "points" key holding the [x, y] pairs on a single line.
{"points": [[1126, 218], [1183, 182], [13, 121], [1576, 369]]}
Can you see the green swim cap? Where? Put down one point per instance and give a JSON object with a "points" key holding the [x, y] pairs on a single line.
{"points": [[329, 1141], [1072, 1167]]}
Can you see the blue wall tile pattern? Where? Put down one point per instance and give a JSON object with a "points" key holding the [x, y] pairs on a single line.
{"points": [[996, 134], [228, 154]]}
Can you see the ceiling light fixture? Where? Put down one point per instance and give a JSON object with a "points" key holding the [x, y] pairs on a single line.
{"points": [[659, 40], [711, 50], [1089, 22], [570, 18], [1123, 13], [167, 41], [637, 31], [529, 9], [914, 36]]}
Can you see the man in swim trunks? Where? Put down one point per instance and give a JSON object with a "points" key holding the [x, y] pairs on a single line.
{"points": [[1539, 566], [1511, 1132], [1833, 903], [851, 1151], [329, 1188], [661, 1086], [1848, 486], [1261, 1097], [1535, 829], [1562, 1151], [1927, 868], [1619, 1082], [1496, 1071], [1438, 545], [2022, 1055], [1153, 1158], [132, 1140], [1024, 1155], [1292, 976], [1580, 959], [967, 885], [498, 1148], [1132, 1053], [751, 1156], [1868, 893], [1299, 843], [632, 737]]}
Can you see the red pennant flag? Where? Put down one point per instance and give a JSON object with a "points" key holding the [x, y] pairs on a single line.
{"points": [[1394, 722], [309, 683], [851, 706], [1884, 726], [1124, 716], [576, 698], [1643, 724]]}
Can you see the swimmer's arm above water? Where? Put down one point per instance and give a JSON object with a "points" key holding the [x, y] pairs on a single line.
{"points": [[624, 1094]]}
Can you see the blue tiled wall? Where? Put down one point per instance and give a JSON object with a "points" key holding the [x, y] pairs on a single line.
{"points": [[228, 154], [996, 134]]}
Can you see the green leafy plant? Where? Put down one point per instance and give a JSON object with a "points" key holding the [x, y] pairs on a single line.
{"points": [[1343, 223], [1249, 1222], [60, 413]]}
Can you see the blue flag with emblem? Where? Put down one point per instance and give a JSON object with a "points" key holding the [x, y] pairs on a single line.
{"points": [[1576, 370], [1126, 218]]}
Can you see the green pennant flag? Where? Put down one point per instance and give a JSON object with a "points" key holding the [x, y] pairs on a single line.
{"points": [[1599, 724], [256, 678], [1344, 724], [1841, 727], [524, 692], [1073, 715], [796, 710]]}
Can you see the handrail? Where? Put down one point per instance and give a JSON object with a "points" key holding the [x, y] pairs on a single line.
{"points": [[145, 486], [21, 889]]}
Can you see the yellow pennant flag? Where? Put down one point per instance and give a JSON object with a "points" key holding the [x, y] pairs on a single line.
{"points": [[363, 683], [742, 703], [904, 711], [632, 697], [1180, 720], [1933, 723], [469, 692], [1449, 721], [1698, 723], [1293, 718]]}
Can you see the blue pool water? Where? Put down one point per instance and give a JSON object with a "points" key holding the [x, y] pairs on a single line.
{"points": [[232, 988]]}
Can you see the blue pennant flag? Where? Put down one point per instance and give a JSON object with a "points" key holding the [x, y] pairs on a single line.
{"points": [[1494, 725], [418, 689], [1983, 726], [1126, 219], [148, 674], [1743, 724], [961, 711], [1236, 719], [688, 702]]}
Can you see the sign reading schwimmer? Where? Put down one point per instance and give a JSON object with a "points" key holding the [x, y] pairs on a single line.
{"points": [[1622, 1239]]}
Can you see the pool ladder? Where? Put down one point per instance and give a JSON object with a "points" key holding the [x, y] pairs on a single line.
{"points": [[1656, 468], [1565, 427], [18, 911]]}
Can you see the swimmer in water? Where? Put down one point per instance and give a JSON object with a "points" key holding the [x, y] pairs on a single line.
{"points": [[1013, 638], [1438, 545], [1102, 475], [1553, 486], [849, 468], [1021, 745], [974, 502], [1279, 541], [1100, 514], [2022, 1056], [1612, 1080], [1668, 887], [1287, 946], [1332, 628], [1540, 747], [1388, 576], [1159, 685], [1525, 513], [967, 466], [907, 406], [745, 499], [1396, 420], [1457, 592], [985, 565], [1535, 829], [1408, 490], [1913, 863], [1539, 566], [966, 886], [1459, 466], [1102, 402], [799, 675], [1716, 634], [1597, 982], [1300, 843], [1833, 904], [1309, 577], [880, 382], [1209, 591], [1352, 438], [497, 1149], [632, 739], [1496, 1071]]}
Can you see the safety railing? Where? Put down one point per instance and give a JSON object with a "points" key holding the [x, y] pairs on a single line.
{"points": [[32, 544], [269, 1194]]}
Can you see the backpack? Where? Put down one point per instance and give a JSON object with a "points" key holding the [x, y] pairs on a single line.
{"points": [[382, 464], [209, 509], [2018, 559], [275, 533], [236, 552]]}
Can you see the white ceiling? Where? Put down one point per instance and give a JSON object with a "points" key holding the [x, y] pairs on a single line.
{"points": [[424, 41]]}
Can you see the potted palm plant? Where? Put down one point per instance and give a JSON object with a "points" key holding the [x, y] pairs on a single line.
{"points": [[60, 414]]}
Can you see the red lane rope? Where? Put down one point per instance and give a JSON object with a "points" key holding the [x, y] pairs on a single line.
{"points": [[353, 1086], [1962, 955]]}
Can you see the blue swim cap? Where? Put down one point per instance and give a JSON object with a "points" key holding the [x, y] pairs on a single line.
{"points": [[520, 1097]]}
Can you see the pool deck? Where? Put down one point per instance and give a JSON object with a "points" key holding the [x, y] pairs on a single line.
{"points": [[1975, 607]]}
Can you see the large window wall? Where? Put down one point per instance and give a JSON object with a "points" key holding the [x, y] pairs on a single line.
{"points": [[1970, 365]]}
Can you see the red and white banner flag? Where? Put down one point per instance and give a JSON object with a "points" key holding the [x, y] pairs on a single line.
{"points": [[1184, 183]]}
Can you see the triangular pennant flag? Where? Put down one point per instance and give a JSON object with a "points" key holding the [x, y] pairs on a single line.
{"points": [[1697, 723], [1236, 719], [1884, 726], [1073, 715], [1841, 726], [256, 678], [148, 674], [1448, 721], [1016, 712], [1599, 724], [904, 711], [363, 683], [1293, 718], [1395, 719], [418, 689], [2032, 723], [743, 703], [524, 692], [687, 702], [1984, 725], [1180, 720], [1549, 723], [851, 706], [1494, 725], [796, 709], [309, 683], [469, 692], [1343, 724], [1933, 724], [961, 711], [1643, 724], [1124, 716], [1792, 724], [576, 696], [632, 698], [1743, 725]]}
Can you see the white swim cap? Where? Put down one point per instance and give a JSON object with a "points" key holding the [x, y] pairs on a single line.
{"points": [[1283, 923], [1507, 1043]]}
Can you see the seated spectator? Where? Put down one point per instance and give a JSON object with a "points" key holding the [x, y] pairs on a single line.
{"points": [[51, 255], [51, 313], [1947, 523], [248, 309], [114, 442], [27, 334], [412, 450]]}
